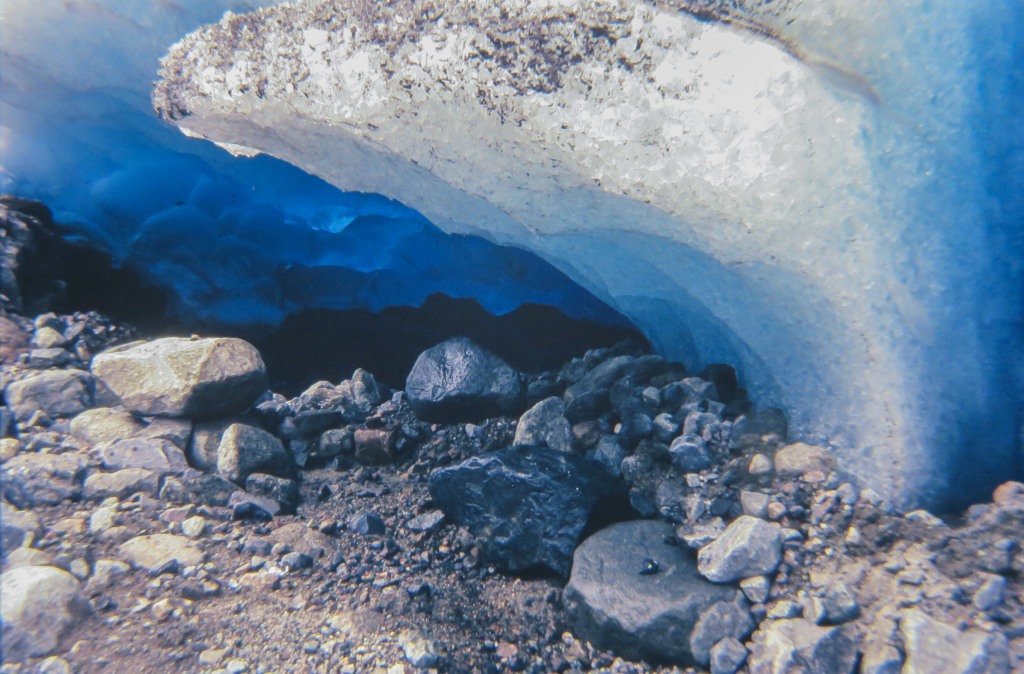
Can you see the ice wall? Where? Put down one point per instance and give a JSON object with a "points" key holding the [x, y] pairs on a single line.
{"points": [[239, 241], [827, 193]]}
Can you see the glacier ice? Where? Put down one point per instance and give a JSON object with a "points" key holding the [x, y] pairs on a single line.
{"points": [[832, 200], [239, 241], [828, 194]]}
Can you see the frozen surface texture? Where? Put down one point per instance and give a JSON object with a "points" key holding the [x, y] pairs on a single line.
{"points": [[239, 241], [826, 193]]}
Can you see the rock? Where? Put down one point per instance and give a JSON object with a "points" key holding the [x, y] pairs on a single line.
{"points": [[428, 522], [359, 395], [206, 437], [991, 593], [723, 377], [48, 338], [245, 449], [933, 647], [301, 538], [195, 487], [282, 490], [458, 380], [105, 424], [760, 465], [158, 455], [159, 553], [374, 446], [367, 524], [698, 535], [756, 588], [881, 659], [55, 665], [419, 651], [610, 603], [56, 393], [749, 547], [727, 656], [337, 442], [721, 620], [30, 480], [836, 606], [748, 430], [27, 557], [17, 528], [9, 448], [690, 453], [799, 458], [294, 561], [193, 378], [39, 605], [526, 505], [121, 484], [755, 504], [194, 527], [609, 454], [246, 506], [545, 424], [797, 645]]}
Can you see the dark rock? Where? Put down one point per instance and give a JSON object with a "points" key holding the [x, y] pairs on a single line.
{"points": [[609, 454], [587, 406], [638, 616], [375, 446], [193, 378], [526, 505], [284, 491], [248, 509], [313, 422], [367, 524], [460, 381], [427, 522], [722, 620], [57, 393], [690, 453], [195, 487], [294, 561]]}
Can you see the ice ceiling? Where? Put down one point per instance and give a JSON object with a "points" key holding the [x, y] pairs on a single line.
{"points": [[836, 209]]}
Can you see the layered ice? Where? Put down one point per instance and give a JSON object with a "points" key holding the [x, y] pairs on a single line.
{"points": [[237, 241], [828, 194]]}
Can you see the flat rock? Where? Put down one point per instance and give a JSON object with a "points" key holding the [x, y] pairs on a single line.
{"points": [[526, 505], [748, 547], [193, 378], [612, 604], [797, 645], [58, 393], [933, 647], [105, 424], [43, 479], [39, 605], [121, 484], [458, 380], [245, 449], [17, 527], [159, 455], [799, 458], [545, 424], [156, 553]]}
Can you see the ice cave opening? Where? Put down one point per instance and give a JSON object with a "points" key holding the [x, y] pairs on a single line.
{"points": [[837, 213]]}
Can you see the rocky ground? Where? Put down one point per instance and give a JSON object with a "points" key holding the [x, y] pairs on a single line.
{"points": [[198, 523], [164, 510]]}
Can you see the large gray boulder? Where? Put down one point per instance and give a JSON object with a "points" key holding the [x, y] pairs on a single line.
{"points": [[748, 547], [527, 506], [38, 604], [193, 378], [458, 380], [933, 647], [545, 424], [650, 616], [57, 393]]}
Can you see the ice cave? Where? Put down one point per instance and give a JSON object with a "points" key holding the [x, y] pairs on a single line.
{"points": [[828, 195]]}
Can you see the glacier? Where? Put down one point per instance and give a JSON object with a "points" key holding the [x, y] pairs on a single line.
{"points": [[242, 242], [828, 194]]}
